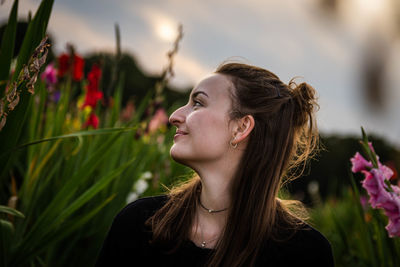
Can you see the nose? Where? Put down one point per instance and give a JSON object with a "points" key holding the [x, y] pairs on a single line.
{"points": [[177, 117]]}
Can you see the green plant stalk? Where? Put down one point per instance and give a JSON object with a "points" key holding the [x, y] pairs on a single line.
{"points": [[364, 228], [7, 46]]}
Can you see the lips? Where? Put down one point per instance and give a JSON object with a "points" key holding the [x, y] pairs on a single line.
{"points": [[179, 133]]}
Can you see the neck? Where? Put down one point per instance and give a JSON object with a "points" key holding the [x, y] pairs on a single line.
{"points": [[216, 176], [215, 195]]}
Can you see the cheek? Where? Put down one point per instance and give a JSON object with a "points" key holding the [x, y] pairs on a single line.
{"points": [[208, 138], [209, 131]]}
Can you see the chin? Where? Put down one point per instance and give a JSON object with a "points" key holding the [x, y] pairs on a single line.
{"points": [[178, 157], [175, 155]]}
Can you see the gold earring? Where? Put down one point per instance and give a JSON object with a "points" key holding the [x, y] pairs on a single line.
{"points": [[233, 145]]}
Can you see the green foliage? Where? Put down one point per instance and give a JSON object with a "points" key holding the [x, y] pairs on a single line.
{"points": [[68, 179], [7, 47], [11, 133], [63, 184], [357, 233]]}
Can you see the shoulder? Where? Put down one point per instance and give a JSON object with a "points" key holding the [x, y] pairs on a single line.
{"points": [[141, 209], [312, 247], [307, 246], [129, 223], [310, 238], [128, 234]]}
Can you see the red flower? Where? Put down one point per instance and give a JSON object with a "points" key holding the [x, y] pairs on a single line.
{"points": [[93, 121], [79, 63], [64, 66], [93, 93]]}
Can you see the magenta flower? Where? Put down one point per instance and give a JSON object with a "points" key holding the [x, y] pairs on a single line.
{"points": [[387, 172], [374, 183], [49, 75], [393, 228], [377, 184], [359, 163]]}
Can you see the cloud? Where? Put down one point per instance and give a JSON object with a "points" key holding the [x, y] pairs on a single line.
{"points": [[70, 28], [189, 71]]}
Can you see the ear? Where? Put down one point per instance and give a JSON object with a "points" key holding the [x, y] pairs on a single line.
{"points": [[242, 128]]}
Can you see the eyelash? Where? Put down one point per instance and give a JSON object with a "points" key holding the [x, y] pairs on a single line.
{"points": [[195, 102]]}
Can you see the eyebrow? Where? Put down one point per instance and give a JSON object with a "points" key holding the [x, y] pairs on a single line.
{"points": [[199, 92]]}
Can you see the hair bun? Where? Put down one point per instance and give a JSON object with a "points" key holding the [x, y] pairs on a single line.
{"points": [[305, 102]]}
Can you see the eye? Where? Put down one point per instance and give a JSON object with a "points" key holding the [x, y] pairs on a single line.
{"points": [[197, 103]]}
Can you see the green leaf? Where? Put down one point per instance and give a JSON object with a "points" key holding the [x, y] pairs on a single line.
{"points": [[45, 228], [6, 232], [11, 211], [55, 237], [10, 135], [73, 135], [366, 234], [7, 46], [58, 203], [85, 197]]}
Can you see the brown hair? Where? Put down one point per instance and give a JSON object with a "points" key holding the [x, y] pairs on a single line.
{"points": [[284, 137]]}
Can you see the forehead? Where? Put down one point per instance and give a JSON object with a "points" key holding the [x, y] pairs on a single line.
{"points": [[215, 85]]}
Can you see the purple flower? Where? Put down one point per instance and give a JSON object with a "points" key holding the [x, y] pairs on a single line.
{"points": [[359, 163], [55, 96]]}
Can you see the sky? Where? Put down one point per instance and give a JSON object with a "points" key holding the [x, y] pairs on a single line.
{"points": [[290, 38]]}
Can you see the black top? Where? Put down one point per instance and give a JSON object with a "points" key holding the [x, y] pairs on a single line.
{"points": [[127, 244]]}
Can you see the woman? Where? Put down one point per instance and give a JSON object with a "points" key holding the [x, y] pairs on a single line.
{"points": [[243, 131]]}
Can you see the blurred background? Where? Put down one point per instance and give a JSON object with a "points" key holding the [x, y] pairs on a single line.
{"points": [[349, 50], [122, 65]]}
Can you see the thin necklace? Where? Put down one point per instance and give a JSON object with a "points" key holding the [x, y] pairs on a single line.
{"points": [[210, 210], [203, 242]]}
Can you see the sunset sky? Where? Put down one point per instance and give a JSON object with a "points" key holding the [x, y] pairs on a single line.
{"points": [[290, 38]]}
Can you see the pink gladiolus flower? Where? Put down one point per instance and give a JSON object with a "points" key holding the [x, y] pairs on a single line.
{"points": [[392, 208], [382, 193], [393, 228], [159, 119], [375, 186], [359, 163], [387, 172], [49, 75]]}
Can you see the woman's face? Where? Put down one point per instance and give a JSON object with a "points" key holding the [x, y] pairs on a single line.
{"points": [[203, 131]]}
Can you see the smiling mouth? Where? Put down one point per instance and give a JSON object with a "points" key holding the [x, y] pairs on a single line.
{"points": [[179, 133]]}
